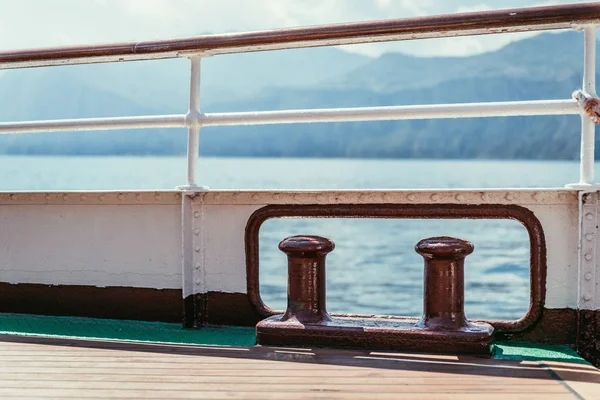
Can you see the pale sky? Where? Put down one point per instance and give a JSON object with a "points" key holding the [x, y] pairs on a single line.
{"points": [[43, 23]]}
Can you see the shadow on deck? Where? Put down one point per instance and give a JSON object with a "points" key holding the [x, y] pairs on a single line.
{"points": [[246, 372]]}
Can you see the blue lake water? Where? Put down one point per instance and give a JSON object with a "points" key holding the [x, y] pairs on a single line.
{"points": [[374, 268]]}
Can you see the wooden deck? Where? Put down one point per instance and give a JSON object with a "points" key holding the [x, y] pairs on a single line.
{"points": [[53, 368]]}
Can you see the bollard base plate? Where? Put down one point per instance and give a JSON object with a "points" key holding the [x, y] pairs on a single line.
{"points": [[375, 334]]}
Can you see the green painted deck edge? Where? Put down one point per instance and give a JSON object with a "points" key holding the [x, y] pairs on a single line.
{"points": [[160, 332], [527, 351], [123, 330]]}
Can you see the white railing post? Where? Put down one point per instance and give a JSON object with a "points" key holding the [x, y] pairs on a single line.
{"points": [[192, 121], [588, 202], [589, 59], [192, 213], [588, 127]]}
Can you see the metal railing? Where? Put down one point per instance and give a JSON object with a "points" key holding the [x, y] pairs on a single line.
{"points": [[582, 16]]}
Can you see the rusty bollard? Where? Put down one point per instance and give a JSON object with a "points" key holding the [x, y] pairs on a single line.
{"points": [[444, 294], [306, 278], [444, 327]]}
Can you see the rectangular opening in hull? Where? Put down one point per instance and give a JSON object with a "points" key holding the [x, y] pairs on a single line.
{"points": [[374, 268]]}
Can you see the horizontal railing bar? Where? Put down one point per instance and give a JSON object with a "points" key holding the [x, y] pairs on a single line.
{"points": [[85, 124], [431, 111], [474, 23]]}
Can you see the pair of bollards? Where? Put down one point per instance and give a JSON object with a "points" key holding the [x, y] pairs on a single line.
{"points": [[442, 328]]}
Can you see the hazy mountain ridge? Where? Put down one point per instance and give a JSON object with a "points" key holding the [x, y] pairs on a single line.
{"points": [[546, 66], [544, 57]]}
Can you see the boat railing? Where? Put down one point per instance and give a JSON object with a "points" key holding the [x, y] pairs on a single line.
{"points": [[206, 249], [584, 17]]}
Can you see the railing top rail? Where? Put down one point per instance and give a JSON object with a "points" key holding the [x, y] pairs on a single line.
{"points": [[474, 23]]}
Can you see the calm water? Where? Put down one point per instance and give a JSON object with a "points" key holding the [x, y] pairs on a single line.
{"points": [[374, 268]]}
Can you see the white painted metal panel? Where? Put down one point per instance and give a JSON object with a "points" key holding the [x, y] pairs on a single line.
{"points": [[98, 245], [561, 230], [222, 216], [224, 256], [589, 269], [135, 238]]}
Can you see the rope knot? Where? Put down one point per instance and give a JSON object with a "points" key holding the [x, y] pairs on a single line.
{"points": [[590, 105]]}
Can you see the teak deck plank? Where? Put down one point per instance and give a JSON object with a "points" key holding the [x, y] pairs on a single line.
{"points": [[55, 368]]}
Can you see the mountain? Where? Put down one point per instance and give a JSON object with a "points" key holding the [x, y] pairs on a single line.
{"points": [[547, 56], [164, 84], [549, 137], [55, 93], [545, 66]]}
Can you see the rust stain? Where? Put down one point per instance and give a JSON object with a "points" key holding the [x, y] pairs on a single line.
{"points": [[588, 337], [142, 304], [589, 105], [591, 108]]}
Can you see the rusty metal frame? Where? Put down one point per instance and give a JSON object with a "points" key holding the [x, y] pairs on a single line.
{"points": [[537, 243], [474, 23]]}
